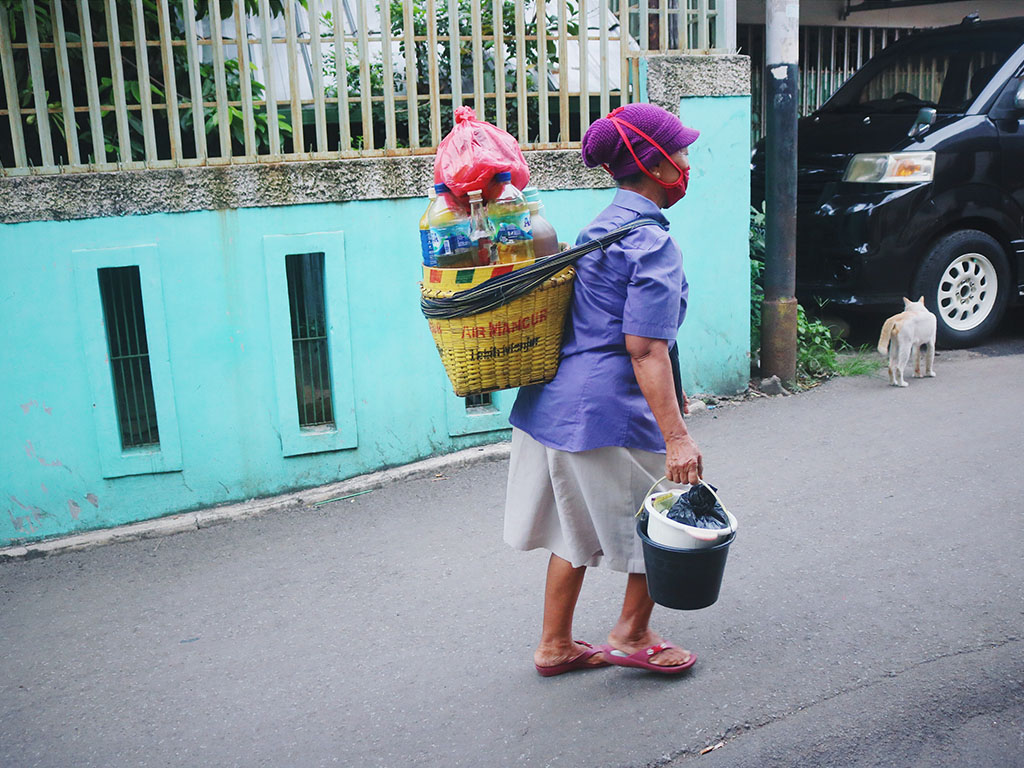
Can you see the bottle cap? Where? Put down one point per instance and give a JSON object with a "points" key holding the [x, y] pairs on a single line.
{"points": [[440, 189], [475, 195], [504, 176], [531, 193]]}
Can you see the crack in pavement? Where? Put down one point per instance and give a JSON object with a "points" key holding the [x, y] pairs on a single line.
{"points": [[736, 731]]}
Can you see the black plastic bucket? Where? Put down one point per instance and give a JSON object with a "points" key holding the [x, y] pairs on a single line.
{"points": [[684, 579]]}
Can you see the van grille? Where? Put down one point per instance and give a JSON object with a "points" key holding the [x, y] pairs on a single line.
{"points": [[814, 173]]}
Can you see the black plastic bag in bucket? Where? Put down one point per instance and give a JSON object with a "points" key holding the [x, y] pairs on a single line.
{"points": [[684, 579]]}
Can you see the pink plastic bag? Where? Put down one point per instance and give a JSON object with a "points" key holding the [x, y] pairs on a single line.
{"points": [[469, 157]]}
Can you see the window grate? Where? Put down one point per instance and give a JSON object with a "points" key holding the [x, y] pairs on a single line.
{"points": [[482, 400], [309, 338], [121, 293]]}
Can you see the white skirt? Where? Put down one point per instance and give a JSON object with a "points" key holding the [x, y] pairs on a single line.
{"points": [[580, 506]]}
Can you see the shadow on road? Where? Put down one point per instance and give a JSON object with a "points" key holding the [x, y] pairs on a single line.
{"points": [[1008, 339]]}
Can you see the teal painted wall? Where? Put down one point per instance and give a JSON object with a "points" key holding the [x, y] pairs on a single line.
{"points": [[213, 321], [209, 272], [712, 226]]}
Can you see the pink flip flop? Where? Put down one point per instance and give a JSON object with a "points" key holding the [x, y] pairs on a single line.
{"points": [[576, 662], [640, 659]]}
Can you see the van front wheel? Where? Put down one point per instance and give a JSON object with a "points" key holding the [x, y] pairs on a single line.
{"points": [[965, 281]]}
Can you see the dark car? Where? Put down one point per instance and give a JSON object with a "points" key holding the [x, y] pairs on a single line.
{"points": [[911, 181]]}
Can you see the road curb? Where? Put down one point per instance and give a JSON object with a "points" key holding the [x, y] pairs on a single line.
{"points": [[206, 518]]}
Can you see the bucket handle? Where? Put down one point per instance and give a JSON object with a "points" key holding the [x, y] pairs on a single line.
{"points": [[649, 492], [702, 482]]}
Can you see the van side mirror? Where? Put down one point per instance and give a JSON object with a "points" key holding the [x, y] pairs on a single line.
{"points": [[925, 119], [1009, 104]]}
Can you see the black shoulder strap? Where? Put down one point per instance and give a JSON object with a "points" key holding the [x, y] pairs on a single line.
{"points": [[618, 233], [677, 374], [504, 288]]}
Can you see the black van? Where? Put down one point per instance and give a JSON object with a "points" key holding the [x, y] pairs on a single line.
{"points": [[911, 181]]}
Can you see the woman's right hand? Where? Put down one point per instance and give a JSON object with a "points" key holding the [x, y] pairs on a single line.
{"points": [[683, 463]]}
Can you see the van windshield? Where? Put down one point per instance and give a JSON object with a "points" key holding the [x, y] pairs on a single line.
{"points": [[944, 72]]}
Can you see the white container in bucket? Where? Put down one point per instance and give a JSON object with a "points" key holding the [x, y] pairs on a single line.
{"points": [[670, 533]]}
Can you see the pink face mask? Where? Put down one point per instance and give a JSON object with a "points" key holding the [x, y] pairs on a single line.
{"points": [[677, 189]]}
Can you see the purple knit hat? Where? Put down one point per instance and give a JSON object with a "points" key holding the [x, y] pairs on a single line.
{"points": [[602, 144]]}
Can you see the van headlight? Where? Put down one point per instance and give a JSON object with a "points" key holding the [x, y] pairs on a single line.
{"points": [[891, 168]]}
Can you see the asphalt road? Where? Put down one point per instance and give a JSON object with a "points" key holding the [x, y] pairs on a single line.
{"points": [[872, 614]]}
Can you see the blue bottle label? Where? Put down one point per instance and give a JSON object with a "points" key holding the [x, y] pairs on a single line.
{"points": [[514, 228], [425, 251], [449, 240]]}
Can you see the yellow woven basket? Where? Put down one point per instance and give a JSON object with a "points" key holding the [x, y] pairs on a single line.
{"points": [[513, 345]]}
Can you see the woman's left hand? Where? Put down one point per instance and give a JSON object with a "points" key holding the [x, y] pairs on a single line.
{"points": [[684, 464]]}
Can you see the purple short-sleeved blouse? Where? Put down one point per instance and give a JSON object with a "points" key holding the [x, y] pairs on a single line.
{"points": [[634, 286]]}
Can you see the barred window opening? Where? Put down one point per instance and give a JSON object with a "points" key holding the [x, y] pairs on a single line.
{"points": [[121, 293], [309, 339], [479, 402]]}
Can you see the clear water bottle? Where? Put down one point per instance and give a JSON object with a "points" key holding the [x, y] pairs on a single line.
{"points": [[482, 233], [425, 228], [450, 229], [510, 217]]}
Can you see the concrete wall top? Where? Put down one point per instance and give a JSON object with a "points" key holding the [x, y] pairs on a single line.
{"points": [[178, 190], [671, 78]]}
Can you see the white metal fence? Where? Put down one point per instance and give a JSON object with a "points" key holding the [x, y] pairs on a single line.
{"points": [[93, 85]]}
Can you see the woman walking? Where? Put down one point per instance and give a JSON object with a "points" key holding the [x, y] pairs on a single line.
{"points": [[588, 445]]}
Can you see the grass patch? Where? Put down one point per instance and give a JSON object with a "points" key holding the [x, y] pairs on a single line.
{"points": [[819, 354], [859, 362]]}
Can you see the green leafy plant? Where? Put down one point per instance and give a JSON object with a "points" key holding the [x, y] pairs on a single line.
{"points": [[817, 351], [235, 117], [442, 58], [133, 96], [226, 7], [132, 81], [756, 279]]}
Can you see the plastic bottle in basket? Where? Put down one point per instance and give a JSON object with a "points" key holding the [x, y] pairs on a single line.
{"points": [[425, 229], [510, 217], [450, 228], [482, 233], [545, 240]]}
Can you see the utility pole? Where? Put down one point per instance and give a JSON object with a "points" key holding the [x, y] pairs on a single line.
{"points": [[779, 311]]}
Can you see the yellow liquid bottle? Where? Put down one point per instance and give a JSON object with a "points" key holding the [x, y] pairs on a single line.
{"points": [[509, 215]]}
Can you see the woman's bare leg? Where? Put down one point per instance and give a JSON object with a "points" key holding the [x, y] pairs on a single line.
{"points": [[561, 592], [633, 631]]}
